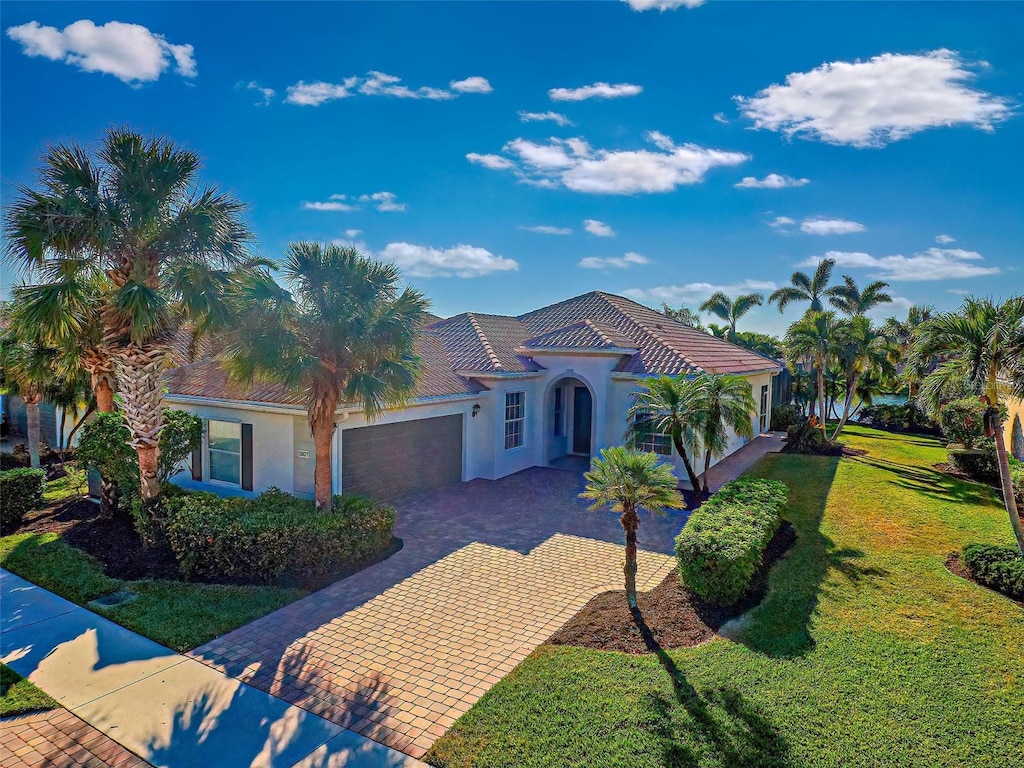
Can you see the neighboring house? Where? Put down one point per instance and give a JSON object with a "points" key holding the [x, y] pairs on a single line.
{"points": [[1012, 427], [497, 395]]}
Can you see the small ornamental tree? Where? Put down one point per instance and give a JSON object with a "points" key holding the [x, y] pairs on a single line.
{"points": [[963, 421]]}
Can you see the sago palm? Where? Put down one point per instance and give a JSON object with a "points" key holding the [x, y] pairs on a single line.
{"points": [[813, 289], [722, 401], [343, 331], [814, 336], [626, 481], [853, 302], [666, 406], [731, 310]]}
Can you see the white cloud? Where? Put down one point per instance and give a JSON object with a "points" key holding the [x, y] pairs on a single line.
{"points": [[475, 84], [129, 52], [771, 181], [545, 229], [266, 94], [822, 226], [457, 261], [572, 163], [782, 222], [595, 91], [332, 205], [351, 233], [613, 262], [721, 118], [662, 5], [873, 103], [931, 264], [695, 293], [385, 202], [944, 239], [314, 94], [599, 228], [383, 84], [554, 117]]}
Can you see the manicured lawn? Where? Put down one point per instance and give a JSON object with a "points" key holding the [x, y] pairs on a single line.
{"points": [[18, 695], [866, 652]]}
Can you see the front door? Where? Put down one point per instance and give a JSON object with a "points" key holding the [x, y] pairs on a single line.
{"points": [[582, 409]]}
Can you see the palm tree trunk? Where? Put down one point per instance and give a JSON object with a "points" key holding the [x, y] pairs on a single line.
{"points": [[139, 372], [321, 424], [630, 522], [850, 390], [821, 395], [707, 466], [104, 395], [677, 440], [32, 424], [1006, 482], [109, 496], [90, 409]]}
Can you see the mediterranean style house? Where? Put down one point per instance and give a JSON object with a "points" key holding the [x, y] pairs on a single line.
{"points": [[497, 395]]}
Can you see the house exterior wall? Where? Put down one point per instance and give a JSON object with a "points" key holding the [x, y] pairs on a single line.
{"points": [[1013, 427]]}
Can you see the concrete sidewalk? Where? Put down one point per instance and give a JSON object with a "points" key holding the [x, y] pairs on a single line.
{"points": [[735, 464], [166, 708]]}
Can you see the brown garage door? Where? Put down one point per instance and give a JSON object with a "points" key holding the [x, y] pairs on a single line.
{"points": [[389, 460]]}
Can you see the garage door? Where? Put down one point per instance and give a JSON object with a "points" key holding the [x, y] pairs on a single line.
{"points": [[389, 460]]}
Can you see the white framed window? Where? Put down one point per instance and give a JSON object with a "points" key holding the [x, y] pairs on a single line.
{"points": [[225, 449], [650, 441], [515, 418]]}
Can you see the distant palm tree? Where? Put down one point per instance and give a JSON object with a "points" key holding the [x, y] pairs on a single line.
{"points": [[683, 314], [723, 401], [902, 332], [627, 480], [813, 289], [720, 331], [666, 406], [980, 344], [344, 332], [861, 349], [814, 336], [853, 302], [731, 310]]}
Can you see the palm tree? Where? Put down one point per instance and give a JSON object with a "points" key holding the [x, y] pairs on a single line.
{"points": [[853, 302], [980, 345], [722, 401], [731, 310], [862, 349], [344, 332], [133, 214], [683, 314], [814, 336], [628, 480], [814, 289], [902, 333], [666, 406]]}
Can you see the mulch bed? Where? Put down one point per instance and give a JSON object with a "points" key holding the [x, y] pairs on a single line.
{"points": [[669, 615], [956, 566]]}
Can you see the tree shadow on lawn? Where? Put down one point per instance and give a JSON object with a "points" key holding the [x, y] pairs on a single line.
{"points": [[932, 483], [744, 737]]}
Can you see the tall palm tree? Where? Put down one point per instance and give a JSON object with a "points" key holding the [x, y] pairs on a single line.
{"points": [[814, 336], [853, 302], [723, 401], [666, 406], [628, 480], [980, 344], [902, 332], [731, 310], [862, 349], [133, 213], [344, 332], [813, 289]]}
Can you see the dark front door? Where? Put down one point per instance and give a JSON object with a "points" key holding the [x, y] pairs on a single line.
{"points": [[582, 409]]}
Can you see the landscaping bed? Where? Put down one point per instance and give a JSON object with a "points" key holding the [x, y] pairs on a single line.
{"points": [[669, 616]]}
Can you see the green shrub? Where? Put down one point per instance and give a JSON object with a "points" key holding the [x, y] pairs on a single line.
{"points": [[785, 416], [963, 421], [21, 490], [980, 463], [1001, 568], [721, 545], [1017, 478], [262, 538], [905, 417]]}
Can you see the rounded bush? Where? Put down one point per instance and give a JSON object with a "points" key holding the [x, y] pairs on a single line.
{"points": [[1001, 568], [21, 490]]}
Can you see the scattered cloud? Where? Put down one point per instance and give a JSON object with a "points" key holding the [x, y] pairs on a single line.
{"points": [[931, 264], [573, 164], [386, 202], [721, 118], [614, 262], [475, 84], [662, 5], [351, 233], [782, 223], [944, 239], [957, 291], [544, 229], [595, 91], [383, 84], [266, 94], [599, 228], [696, 293], [332, 205], [822, 226], [457, 261], [771, 181], [129, 52], [314, 94], [876, 102], [554, 117]]}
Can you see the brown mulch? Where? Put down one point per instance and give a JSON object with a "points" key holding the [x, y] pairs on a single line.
{"points": [[669, 615], [956, 566]]}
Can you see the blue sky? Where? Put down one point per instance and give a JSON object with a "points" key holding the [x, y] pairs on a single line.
{"points": [[887, 134]]}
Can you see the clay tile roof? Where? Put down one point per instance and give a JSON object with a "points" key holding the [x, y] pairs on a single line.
{"points": [[483, 343], [587, 334]]}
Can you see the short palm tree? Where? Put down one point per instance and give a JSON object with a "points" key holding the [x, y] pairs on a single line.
{"points": [[731, 310], [813, 289], [627, 480], [980, 344], [683, 314], [722, 401], [343, 332], [814, 336], [133, 215], [666, 406], [862, 349], [853, 302]]}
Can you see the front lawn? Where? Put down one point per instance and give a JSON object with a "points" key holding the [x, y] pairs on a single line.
{"points": [[866, 651], [18, 695]]}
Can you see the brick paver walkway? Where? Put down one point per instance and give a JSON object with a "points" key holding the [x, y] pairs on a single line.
{"points": [[490, 569], [58, 739]]}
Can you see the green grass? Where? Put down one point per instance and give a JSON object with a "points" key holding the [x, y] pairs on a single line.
{"points": [[71, 486], [18, 695], [866, 651], [177, 614]]}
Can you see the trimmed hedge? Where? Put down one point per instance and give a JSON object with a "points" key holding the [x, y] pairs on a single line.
{"points": [[1001, 568], [21, 490], [786, 415], [260, 539], [721, 545]]}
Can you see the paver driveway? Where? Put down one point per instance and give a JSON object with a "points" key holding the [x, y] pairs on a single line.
{"points": [[490, 569]]}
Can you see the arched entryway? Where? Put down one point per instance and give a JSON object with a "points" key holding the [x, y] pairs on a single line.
{"points": [[569, 407]]}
